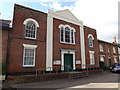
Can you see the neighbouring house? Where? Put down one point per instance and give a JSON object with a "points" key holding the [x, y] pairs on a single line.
{"points": [[108, 53], [6, 28], [53, 40], [119, 52], [4, 43]]}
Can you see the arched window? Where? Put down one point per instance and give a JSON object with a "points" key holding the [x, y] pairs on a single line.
{"points": [[90, 40], [30, 28], [67, 34]]}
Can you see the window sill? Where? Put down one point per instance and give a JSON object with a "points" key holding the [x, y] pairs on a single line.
{"points": [[56, 64], [90, 46], [101, 51], [92, 64], [67, 43], [28, 66], [30, 38]]}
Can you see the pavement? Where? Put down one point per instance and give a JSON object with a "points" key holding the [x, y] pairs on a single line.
{"points": [[102, 80]]}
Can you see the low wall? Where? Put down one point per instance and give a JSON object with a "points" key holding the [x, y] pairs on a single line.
{"points": [[35, 78], [45, 77]]}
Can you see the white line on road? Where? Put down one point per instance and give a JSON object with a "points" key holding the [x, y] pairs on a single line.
{"points": [[97, 85]]}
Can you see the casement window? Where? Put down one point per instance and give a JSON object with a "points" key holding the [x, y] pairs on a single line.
{"points": [[108, 49], [92, 60], [101, 48], [67, 34], [30, 28], [90, 40], [29, 55], [115, 59], [114, 50]]}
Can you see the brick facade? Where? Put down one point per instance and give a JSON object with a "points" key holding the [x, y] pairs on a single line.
{"points": [[58, 46], [5, 38], [91, 31], [17, 39], [108, 52]]}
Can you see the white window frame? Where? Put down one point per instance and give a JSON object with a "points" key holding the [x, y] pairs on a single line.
{"points": [[102, 57], [92, 61], [115, 59], [108, 50], [36, 25], [27, 46], [90, 35], [71, 28], [114, 50], [101, 48]]}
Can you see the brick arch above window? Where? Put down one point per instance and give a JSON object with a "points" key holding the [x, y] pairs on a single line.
{"points": [[67, 34], [90, 40], [61, 25], [30, 19], [91, 36], [30, 28]]}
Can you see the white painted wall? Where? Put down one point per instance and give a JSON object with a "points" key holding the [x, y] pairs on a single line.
{"points": [[49, 44]]}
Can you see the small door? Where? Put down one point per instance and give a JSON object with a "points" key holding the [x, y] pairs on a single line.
{"points": [[110, 63], [68, 62]]}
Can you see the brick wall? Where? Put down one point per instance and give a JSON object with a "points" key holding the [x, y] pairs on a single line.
{"points": [[4, 43], [111, 54], [91, 31], [17, 39], [56, 41]]}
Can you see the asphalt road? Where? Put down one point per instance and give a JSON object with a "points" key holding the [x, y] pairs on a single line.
{"points": [[102, 80]]}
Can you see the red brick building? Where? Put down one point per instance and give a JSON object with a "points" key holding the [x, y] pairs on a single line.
{"points": [[108, 53], [50, 40], [27, 44], [91, 50], [5, 38]]}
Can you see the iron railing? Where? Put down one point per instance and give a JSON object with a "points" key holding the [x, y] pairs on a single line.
{"points": [[57, 69], [61, 69]]}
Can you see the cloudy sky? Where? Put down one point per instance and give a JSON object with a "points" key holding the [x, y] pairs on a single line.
{"points": [[101, 15]]}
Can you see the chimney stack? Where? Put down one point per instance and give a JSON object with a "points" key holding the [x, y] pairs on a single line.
{"points": [[114, 39]]}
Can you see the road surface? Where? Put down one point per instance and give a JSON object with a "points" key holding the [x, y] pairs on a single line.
{"points": [[102, 80]]}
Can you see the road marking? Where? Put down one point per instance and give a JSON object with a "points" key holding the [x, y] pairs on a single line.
{"points": [[97, 85]]}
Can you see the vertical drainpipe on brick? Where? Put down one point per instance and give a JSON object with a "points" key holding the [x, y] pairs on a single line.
{"points": [[8, 53]]}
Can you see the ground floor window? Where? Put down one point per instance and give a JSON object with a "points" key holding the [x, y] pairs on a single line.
{"points": [[29, 55], [92, 60], [115, 59], [102, 58]]}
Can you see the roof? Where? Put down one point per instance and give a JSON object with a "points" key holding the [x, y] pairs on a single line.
{"points": [[119, 45], [107, 42], [29, 8], [65, 15], [89, 28], [5, 23]]}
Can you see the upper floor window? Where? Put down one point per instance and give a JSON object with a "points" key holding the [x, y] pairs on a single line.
{"points": [[30, 28], [67, 34], [90, 40], [108, 49], [114, 50], [101, 48]]}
